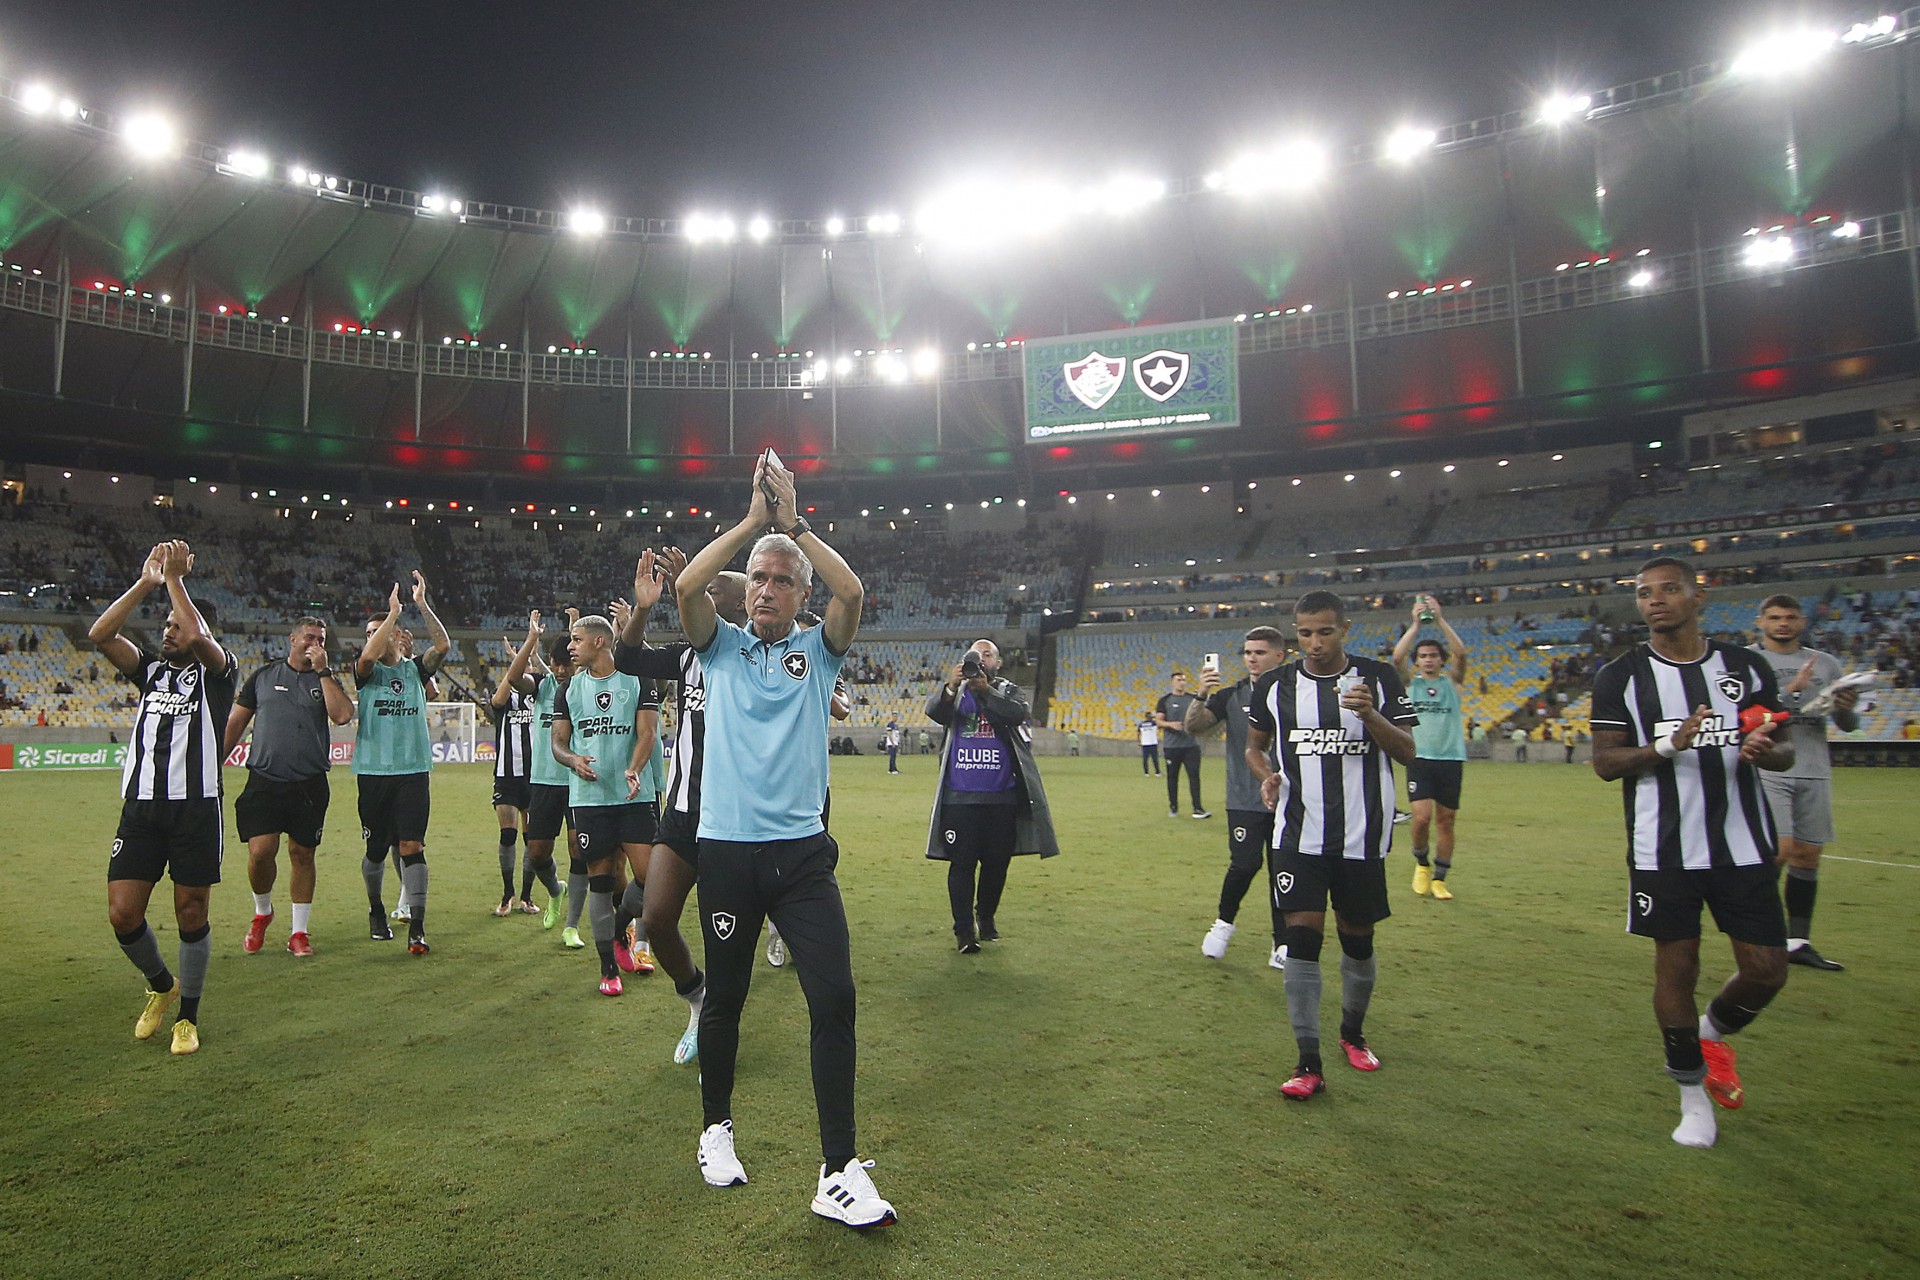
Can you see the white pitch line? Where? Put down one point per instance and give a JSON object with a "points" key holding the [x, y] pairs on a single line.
{"points": [[1910, 866]]}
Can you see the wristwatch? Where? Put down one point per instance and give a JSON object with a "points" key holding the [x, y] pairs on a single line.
{"points": [[798, 527]]}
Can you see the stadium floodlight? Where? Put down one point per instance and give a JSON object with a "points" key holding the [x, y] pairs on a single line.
{"points": [[760, 227], [926, 362], [1848, 230], [1640, 280], [843, 366], [248, 164], [1884, 25], [1772, 251], [1408, 143], [884, 224], [891, 368], [150, 135], [1782, 53], [835, 226], [38, 99], [1292, 166], [69, 109], [1559, 108], [586, 222], [1123, 193], [433, 203]]}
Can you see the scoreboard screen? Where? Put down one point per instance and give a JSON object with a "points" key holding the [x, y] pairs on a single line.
{"points": [[1127, 382]]}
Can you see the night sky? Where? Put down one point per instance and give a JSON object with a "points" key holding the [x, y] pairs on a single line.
{"points": [[800, 110]]}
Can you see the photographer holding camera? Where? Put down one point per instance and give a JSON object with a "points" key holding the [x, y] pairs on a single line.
{"points": [[990, 805]]}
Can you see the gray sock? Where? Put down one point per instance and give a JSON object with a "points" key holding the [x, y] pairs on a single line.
{"points": [[413, 882], [1356, 991], [193, 966], [1303, 1004], [375, 874], [543, 871], [577, 899], [144, 951], [600, 912], [506, 863], [632, 903]]}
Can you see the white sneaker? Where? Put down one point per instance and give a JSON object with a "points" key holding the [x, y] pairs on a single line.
{"points": [[1279, 958], [776, 948], [402, 912], [1214, 945], [718, 1165], [847, 1195]]}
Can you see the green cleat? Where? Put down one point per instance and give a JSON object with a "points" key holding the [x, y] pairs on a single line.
{"points": [[570, 938], [555, 902]]}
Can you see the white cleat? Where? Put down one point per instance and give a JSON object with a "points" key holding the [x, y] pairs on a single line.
{"points": [[689, 1047], [718, 1165], [847, 1195], [1214, 945], [1278, 960], [776, 948]]}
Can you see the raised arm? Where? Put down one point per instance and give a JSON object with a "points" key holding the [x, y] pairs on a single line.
{"points": [[842, 619], [516, 675], [105, 631], [650, 578], [381, 640], [1455, 645], [431, 660], [1403, 647], [697, 617], [1200, 717], [193, 628]]}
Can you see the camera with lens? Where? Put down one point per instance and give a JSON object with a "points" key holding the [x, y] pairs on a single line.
{"points": [[970, 666]]}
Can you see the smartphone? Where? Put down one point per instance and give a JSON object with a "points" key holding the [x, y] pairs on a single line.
{"points": [[772, 460], [1211, 662]]}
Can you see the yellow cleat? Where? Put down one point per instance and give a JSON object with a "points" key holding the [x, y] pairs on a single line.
{"points": [[1441, 892], [1422, 878], [186, 1038], [157, 1004]]}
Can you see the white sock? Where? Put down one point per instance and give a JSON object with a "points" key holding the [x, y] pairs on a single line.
{"points": [[302, 912], [263, 904], [1697, 1127], [1707, 1030], [1794, 944]]}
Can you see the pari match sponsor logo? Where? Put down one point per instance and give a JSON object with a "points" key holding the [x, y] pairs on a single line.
{"points": [[1142, 381]]}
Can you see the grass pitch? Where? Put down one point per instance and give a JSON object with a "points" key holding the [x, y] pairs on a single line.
{"points": [[1088, 1097]]}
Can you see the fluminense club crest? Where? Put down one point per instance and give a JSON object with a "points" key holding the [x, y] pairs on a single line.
{"points": [[1161, 374], [1094, 379]]}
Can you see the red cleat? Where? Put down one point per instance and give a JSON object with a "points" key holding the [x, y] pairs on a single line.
{"points": [[610, 985], [623, 956], [1359, 1057], [1723, 1082], [1303, 1086], [300, 944], [256, 934]]}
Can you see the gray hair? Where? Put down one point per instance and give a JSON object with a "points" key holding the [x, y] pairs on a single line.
{"points": [[779, 544]]}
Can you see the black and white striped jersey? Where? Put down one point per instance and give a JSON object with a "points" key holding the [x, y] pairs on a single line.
{"points": [[1704, 808], [174, 753], [513, 736], [677, 662], [1336, 782]]}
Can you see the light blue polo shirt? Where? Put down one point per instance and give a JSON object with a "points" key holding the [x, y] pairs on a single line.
{"points": [[764, 776]]}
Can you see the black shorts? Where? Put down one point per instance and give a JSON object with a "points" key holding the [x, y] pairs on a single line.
{"points": [[600, 829], [978, 831], [394, 807], [180, 838], [512, 792], [680, 832], [1305, 882], [1665, 905], [1249, 832], [297, 810], [546, 810], [1435, 780]]}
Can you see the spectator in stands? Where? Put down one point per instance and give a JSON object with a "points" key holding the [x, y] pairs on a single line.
{"points": [[1177, 745], [990, 805], [1149, 746]]}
